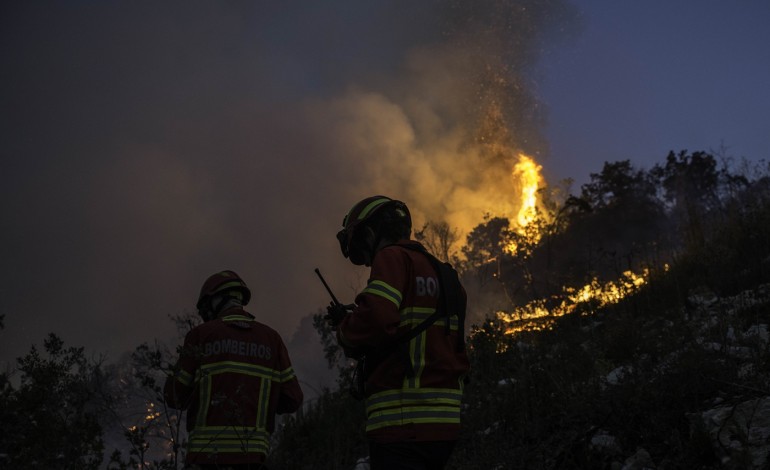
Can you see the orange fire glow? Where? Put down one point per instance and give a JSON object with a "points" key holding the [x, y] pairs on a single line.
{"points": [[528, 172], [535, 316], [540, 314]]}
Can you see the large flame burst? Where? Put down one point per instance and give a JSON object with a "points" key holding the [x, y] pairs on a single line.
{"points": [[540, 314], [528, 172]]}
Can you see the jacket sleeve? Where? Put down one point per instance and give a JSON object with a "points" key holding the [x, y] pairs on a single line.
{"points": [[291, 396], [374, 322], [179, 386]]}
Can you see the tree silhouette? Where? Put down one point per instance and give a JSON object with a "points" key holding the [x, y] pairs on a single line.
{"points": [[52, 419], [691, 189], [438, 238]]}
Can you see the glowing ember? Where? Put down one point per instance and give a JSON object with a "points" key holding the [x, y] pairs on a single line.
{"points": [[152, 413]]}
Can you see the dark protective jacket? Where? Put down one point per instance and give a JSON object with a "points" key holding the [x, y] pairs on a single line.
{"points": [[234, 375], [425, 405]]}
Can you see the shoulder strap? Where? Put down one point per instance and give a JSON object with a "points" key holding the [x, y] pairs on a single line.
{"points": [[450, 300]]}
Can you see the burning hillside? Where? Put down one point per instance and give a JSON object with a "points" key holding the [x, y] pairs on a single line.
{"points": [[542, 313]]}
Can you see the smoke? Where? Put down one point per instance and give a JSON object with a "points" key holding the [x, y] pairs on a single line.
{"points": [[444, 131], [147, 145]]}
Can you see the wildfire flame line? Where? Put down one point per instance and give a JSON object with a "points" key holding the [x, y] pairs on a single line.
{"points": [[536, 316]]}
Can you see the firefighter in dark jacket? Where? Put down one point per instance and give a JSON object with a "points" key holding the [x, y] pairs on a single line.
{"points": [[413, 381], [233, 376]]}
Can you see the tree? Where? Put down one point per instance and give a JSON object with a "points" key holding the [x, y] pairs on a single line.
{"points": [[614, 225], [153, 431], [439, 239], [330, 428], [486, 245], [618, 184], [52, 420], [690, 185]]}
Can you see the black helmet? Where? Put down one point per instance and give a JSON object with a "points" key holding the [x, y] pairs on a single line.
{"points": [[387, 217], [221, 282]]}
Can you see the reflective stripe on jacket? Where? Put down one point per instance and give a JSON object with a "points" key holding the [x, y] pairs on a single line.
{"points": [[424, 404], [234, 375]]}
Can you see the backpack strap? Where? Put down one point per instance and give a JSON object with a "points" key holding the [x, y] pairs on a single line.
{"points": [[450, 301], [450, 298]]}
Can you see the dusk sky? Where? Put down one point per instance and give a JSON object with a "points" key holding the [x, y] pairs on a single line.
{"points": [[146, 145]]}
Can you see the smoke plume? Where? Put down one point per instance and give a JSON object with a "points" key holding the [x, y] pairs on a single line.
{"points": [[148, 145]]}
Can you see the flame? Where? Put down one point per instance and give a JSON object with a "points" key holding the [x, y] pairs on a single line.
{"points": [[509, 193], [535, 316], [540, 314], [528, 172]]}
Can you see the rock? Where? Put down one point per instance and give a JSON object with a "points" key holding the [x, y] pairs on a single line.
{"points": [[641, 460], [740, 429]]}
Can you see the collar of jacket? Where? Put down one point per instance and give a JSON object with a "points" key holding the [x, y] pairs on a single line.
{"points": [[234, 311]]}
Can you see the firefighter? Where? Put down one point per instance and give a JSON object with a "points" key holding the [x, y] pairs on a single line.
{"points": [[233, 376], [411, 349]]}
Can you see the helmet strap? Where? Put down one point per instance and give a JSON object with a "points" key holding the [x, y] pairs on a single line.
{"points": [[212, 306], [225, 300], [375, 245], [205, 312], [363, 245], [230, 302]]}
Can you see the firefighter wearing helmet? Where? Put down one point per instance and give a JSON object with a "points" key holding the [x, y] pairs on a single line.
{"points": [[406, 330], [233, 376]]}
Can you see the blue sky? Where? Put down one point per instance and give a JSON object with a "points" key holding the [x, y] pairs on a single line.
{"points": [[643, 78]]}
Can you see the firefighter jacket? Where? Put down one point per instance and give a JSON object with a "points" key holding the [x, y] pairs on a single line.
{"points": [[234, 375], [423, 405]]}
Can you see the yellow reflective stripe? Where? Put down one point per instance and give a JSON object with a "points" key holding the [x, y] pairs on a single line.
{"points": [[228, 439], [228, 447], [207, 371], [417, 356], [376, 203], [234, 447], [413, 316], [413, 397], [384, 290], [264, 393], [228, 285], [244, 368], [184, 377], [420, 406], [204, 392], [413, 415], [286, 375], [237, 318]]}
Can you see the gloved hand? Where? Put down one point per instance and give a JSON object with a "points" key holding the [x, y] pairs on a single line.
{"points": [[336, 312]]}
